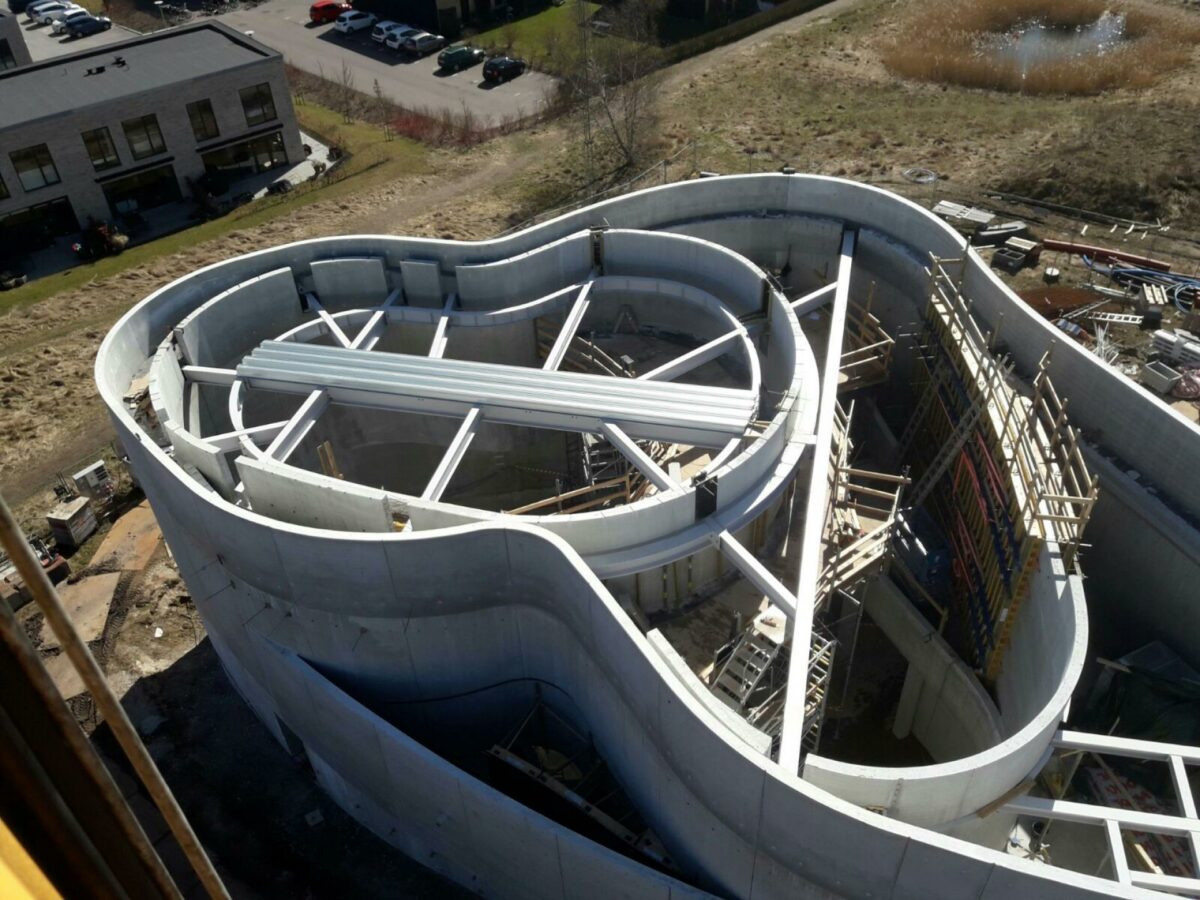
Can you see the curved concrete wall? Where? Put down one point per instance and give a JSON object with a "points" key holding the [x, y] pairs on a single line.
{"points": [[741, 823]]}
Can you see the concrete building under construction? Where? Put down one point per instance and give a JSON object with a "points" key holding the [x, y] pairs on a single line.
{"points": [[574, 561]]}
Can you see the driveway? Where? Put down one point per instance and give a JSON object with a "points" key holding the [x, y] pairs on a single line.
{"points": [[284, 25]]}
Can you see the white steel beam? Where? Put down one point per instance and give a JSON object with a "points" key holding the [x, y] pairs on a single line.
{"points": [[694, 359], [1170, 884], [570, 326], [636, 455], [209, 375], [298, 427], [394, 298], [1116, 847], [452, 457], [371, 332], [1093, 814], [334, 328], [756, 573], [1120, 746], [438, 348], [814, 516], [260, 434], [815, 300], [700, 415]]}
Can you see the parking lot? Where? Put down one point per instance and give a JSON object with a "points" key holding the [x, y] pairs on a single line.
{"points": [[415, 84], [44, 45]]}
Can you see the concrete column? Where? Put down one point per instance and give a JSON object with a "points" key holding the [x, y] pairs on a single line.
{"points": [[906, 709]]}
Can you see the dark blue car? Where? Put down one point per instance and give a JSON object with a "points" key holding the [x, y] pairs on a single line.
{"points": [[85, 25]]}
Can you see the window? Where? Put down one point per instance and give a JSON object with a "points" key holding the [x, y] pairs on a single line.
{"points": [[4, 195], [144, 137], [204, 123], [7, 60], [101, 150], [258, 104], [247, 157], [35, 168]]}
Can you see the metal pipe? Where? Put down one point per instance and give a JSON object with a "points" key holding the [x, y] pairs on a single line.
{"points": [[14, 543]]}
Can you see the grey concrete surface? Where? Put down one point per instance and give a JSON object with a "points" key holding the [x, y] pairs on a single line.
{"points": [[284, 25], [429, 615]]}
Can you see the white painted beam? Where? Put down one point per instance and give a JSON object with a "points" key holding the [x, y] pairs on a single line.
{"points": [[814, 516], [260, 434], [452, 457], [393, 298], [371, 332], [694, 359], [639, 458], [570, 326], [298, 427], [438, 348], [1093, 814], [818, 298], [1116, 847], [209, 375], [334, 328], [1168, 884], [756, 573], [1120, 746]]}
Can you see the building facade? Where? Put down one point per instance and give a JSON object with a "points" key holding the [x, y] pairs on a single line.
{"points": [[13, 51], [132, 126]]}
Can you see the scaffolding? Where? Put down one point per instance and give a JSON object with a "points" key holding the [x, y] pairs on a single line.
{"points": [[1005, 474], [867, 354]]}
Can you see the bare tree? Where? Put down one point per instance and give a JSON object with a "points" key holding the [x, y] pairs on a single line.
{"points": [[346, 83], [611, 73]]}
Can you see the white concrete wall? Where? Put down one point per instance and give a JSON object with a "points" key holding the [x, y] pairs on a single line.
{"points": [[744, 825]]}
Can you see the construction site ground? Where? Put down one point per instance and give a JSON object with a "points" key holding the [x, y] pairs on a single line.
{"points": [[811, 93]]}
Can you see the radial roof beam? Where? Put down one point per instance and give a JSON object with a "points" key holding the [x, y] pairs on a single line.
{"points": [[298, 427], [815, 300], [334, 328], [371, 332], [437, 349], [209, 375], [814, 517], [262, 435], [636, 455], [569, 329], [756, 573], [694, 359], [453, 456]]}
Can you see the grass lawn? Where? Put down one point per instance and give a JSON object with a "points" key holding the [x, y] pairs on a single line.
{"points": [[529, 37], [373, 161]]}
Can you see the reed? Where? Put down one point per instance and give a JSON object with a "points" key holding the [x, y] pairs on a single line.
{"points": [[940, 42]]}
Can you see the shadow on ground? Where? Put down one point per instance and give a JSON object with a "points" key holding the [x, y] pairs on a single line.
{"points": [[247, 799]]}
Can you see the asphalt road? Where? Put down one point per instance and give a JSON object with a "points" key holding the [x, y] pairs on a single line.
{"points": [[284, 25]]}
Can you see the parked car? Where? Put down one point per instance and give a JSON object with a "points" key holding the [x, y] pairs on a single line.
{"points": [[325, 11], [31, 10], [86, 25], [423, 44], [352, 21], [45, 13], [383, 30], [503, 68], [49, 18], [59, 25], [399, 35], [453, 59]]}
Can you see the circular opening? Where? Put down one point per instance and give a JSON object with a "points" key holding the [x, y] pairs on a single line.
{"points": [[1040, 47]]}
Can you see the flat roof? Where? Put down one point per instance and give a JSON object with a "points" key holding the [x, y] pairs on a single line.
{"points": [[63, 84]]}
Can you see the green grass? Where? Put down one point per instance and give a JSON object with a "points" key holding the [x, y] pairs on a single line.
{"points": [[374, 161], [529, 37]]}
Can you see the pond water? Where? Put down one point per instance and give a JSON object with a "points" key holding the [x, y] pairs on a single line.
{"points": [[1033, 44]]}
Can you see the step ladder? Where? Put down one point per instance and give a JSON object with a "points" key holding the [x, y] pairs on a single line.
{"points": [[816, 697], [745, 669]]}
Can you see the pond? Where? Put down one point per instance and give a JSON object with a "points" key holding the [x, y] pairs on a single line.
{"points": [[1034, 43]]}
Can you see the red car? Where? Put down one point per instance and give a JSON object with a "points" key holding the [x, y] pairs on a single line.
{"points": [[324, 11]]}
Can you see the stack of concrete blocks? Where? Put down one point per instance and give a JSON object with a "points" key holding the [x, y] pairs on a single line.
{"points": [[1178, 346], [1160, 377]]}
